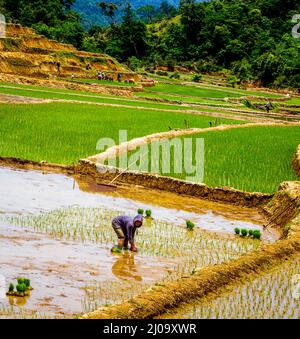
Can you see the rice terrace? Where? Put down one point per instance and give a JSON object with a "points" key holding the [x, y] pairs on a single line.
{"points": [[204, 164]]}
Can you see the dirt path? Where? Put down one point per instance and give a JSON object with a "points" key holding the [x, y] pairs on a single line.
{"points": [[17, 99]]}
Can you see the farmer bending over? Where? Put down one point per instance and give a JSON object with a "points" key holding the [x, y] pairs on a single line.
{"points": [[125, 228]]}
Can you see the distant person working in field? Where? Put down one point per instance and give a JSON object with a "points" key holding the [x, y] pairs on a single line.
{"points": [[125, 228], [268, 106], [58, 65]]}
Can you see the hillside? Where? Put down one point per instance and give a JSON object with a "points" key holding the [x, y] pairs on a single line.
{"points": [[24, 52]]}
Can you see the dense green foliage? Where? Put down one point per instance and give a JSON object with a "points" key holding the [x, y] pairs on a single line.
{"points": [[52, 18], [252, 39], [146, 10]]}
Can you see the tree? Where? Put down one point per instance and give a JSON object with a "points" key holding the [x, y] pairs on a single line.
{"points": [[109, 10], [129, 38], [267, 67], [53, 18], [146, 13], [167, 10]]}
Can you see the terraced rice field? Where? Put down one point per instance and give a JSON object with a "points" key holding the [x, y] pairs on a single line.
{"points": [[61, 237], [270, 296], [65, 237]]}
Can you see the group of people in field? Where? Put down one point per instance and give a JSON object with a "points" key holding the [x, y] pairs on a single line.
{"points": [[100, 74], [106, 77]]}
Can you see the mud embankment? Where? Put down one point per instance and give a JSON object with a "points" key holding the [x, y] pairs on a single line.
{"points": [[209, 280], [101, 173], [296, 161], [60, 84], [34, 165], [284, 209]]}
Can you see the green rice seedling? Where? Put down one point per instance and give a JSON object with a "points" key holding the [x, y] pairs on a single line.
{"points": [[162, 240], [21, 288], [110, 292], [11, 288], [244, 232], [116, 250], [267, 297], [20, 280], [237, 231], [148, 213], [27, 284], [190, 225], [257, 234]]}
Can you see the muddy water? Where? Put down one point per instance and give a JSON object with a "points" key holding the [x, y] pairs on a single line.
{"points": [[60, 270], [32, 192], [270, 296]]}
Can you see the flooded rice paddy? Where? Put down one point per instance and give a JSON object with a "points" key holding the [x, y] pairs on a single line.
{"points": [[274, 295], [57, 232]]}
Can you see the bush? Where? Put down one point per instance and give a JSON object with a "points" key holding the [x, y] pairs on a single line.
{"points": [[257, 234], [244, 232], [162, 73], [134, 63], [232, 80], [237, 231], [148, 213], [250, 233], [196, 77], [175, 75], [140, 211], [190, 225], [150, 70]]}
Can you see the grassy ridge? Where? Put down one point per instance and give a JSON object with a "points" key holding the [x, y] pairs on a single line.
{"points": [[40, 93], [64, 133], [44, 94], [206, 92]]}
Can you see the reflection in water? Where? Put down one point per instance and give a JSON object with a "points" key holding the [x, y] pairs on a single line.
{"points": [[32, 192], [17, 301], [125, 268]]}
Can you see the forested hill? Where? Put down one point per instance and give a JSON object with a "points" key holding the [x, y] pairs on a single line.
{"points": [[251, 39], [91, 14]]}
